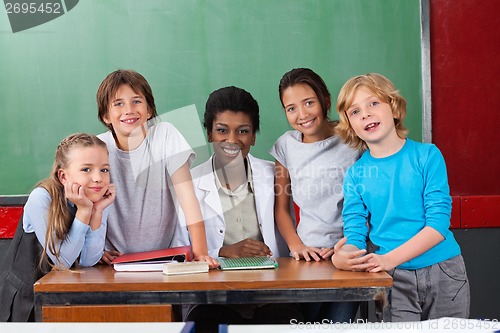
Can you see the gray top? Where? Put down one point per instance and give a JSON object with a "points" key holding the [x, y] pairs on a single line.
{"points": [[317, 175], [143, 216], [240, 213]]}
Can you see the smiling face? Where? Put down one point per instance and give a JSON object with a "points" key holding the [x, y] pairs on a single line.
{"points": [[304, 112], [127, 113], [372, 119], [232, 135], [89, 168]]}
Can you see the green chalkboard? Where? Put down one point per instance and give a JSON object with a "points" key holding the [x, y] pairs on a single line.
{"points": [[186, 48]]}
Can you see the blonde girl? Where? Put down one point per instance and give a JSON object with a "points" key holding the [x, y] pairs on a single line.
{"points": [[64, 223]]}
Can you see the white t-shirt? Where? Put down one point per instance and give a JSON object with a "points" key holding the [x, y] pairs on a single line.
{"points": [[317, 175], [144, 215]]}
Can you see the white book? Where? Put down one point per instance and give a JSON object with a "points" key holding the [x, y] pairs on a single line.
{"points": [[142, 266], [188, 267]]}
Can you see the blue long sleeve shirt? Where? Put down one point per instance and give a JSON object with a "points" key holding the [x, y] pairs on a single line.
{"points": [[80, 241], [391, 199]]}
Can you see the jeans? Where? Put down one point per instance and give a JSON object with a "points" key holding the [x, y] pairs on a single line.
{"points": [[440, 290]]}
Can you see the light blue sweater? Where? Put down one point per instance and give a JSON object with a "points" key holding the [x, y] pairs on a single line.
{"points": [[80, 242], [399, 195]]}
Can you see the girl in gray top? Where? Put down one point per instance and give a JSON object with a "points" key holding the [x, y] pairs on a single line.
{"points": [[310, 165]]}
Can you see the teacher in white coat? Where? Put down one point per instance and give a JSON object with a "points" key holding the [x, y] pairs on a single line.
{"points": [[234, 188], [236, 195]]}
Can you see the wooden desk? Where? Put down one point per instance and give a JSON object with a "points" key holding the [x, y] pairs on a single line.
{"points": [[292, 281]]}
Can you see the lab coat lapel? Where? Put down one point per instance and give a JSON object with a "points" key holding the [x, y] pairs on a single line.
{"points": [[207, 185], [263, 195]]}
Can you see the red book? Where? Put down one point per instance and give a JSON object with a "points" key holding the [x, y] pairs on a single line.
{"points": [[181, 253]]}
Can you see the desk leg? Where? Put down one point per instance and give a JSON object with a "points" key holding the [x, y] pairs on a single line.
{"points": [[383, 306], [38, 310]]}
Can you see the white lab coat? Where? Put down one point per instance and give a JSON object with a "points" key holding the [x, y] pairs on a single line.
{"points": [[213, 215]]}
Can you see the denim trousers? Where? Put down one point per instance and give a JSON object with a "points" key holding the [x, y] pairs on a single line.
{"points": [[440, 290]]}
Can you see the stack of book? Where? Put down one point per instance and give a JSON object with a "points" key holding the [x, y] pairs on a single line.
{"points": [[151, 260]]}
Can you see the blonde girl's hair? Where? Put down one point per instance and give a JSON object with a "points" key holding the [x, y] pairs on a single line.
{"points": [[383, 89], [59, 216]]}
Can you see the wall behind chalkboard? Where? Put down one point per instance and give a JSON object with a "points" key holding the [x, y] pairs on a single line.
{"points": [[187, 48]]}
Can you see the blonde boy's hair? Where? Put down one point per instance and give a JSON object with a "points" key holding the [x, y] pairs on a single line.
{"points": [[383, 89]]}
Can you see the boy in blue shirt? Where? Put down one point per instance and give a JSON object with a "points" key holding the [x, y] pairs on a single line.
{"points": [[397, 195]]}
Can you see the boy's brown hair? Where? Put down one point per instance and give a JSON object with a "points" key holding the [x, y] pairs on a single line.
{"points": [[381, 87], [109, 86]]}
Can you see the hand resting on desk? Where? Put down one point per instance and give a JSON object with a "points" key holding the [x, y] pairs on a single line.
{"points": [[245, 248], [108, 257], [309, 253], [349, 258]]}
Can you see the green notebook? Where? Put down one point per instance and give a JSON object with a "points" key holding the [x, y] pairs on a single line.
{"points": [[247, 263]]}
